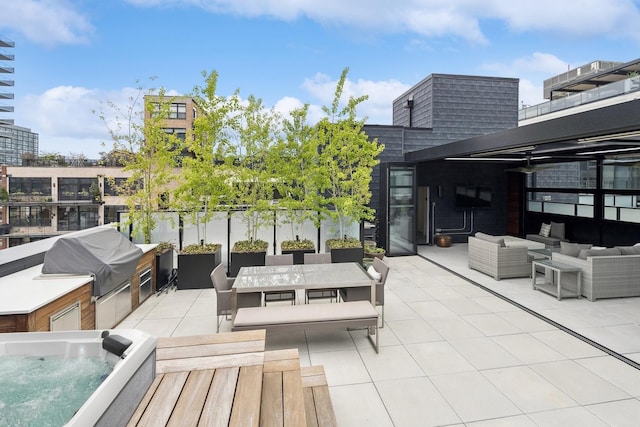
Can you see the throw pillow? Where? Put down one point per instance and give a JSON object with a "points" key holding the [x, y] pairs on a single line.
{"points": [[557, 230], [545, 229], [629, 250], [374, 274], [584, 253], [573, 249]]}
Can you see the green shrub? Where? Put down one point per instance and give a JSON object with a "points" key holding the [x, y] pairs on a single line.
{"points": [[201, 249], [250, 246]]}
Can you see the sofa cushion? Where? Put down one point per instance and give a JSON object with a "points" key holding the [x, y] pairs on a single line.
{"points": [[629, 250], [545, 230], [489, 238], [557, 230], [573, 249], [584, 253]]}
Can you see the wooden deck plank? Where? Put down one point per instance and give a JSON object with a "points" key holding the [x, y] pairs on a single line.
{"points": [[287, 353], [214, 349], [216, 411], [282, 365], [310, 407], [189, 406], [210, 362], [246, 405], [271, 406], [293, 399], [224, 337], [324, 407], [145, 401], [161, 406]]}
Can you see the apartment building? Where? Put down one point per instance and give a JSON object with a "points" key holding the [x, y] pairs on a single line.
{"points": [[41, 202]]}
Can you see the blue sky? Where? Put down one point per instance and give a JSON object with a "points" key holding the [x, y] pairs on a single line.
{"points": [[72, 56]]}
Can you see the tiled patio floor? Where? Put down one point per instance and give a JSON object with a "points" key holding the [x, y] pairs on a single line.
{"points": [[453, 354]]}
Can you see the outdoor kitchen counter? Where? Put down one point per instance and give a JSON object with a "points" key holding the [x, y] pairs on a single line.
{"points": [[30, 301], [28, 290]]}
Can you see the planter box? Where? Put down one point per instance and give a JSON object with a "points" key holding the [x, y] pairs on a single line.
{"points": [[298, 254], [194, 269], [372, 255], [347, 255], [245, 259], [164, 267]]}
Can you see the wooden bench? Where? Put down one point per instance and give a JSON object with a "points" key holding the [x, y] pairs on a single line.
{"points": [[352, 314], [317, 400]]}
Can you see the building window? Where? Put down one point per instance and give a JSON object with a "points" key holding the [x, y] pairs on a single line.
{"points": [[178, 110], [559, 203], [621, 174], [71, 218], [111, 213], [565, 175], [119, 187], [75, 188], [30, 186], [29, 216], [180, 133]]}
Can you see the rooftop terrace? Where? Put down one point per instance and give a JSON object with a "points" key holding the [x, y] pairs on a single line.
{"points": [[455, 351]]}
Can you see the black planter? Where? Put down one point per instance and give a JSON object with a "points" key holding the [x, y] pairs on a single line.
{"points": [[347, 255], [164, 267], [194, 269], [298, 254], [245, 259]]}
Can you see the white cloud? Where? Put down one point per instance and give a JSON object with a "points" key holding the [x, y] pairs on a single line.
{"points": [[615, 18], [462, 18], [47, 22], [378, 108], [536, 67], [67, 118]]}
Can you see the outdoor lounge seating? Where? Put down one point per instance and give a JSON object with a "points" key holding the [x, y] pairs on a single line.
{"points": [[222, 285], [550, 234], [488, 254], [286, 295], [355, 294], [606, 273]]}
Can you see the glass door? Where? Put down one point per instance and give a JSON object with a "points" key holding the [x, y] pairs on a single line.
{"points": [[401, 223]]}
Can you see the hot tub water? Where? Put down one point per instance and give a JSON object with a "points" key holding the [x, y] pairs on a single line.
{"points": [[47, 391]]}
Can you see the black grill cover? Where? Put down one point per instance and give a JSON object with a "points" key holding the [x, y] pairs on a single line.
{"points": [[103, 252]]}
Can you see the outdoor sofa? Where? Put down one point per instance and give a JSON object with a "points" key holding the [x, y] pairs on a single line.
{"points": [[606, 272], [550, 234], [489, 254]]}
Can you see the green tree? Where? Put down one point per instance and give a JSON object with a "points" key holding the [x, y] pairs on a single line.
{"points": [[289, 163], [204, 187], [345, 161], [256, 131], [147, 153]]}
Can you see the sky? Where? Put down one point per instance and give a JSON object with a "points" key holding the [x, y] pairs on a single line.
{"points": [[75, 57]]}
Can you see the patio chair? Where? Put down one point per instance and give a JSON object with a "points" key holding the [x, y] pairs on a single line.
{"points": [[356, 294], [222, 285], [314, 294], [275, 296]]}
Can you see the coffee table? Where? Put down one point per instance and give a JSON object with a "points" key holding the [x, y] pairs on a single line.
{"points": [[554, 271]]}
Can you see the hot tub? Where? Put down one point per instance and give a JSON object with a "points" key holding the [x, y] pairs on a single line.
{"points": [[119, 392]]}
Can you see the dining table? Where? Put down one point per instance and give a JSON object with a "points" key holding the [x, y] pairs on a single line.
{"points": [[252, 281]]}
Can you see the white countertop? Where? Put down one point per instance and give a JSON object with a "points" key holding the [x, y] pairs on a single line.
{"points": [[27, 290]]}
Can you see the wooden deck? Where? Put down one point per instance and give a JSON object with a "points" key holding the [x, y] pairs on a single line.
{"points": [[229, 379]]}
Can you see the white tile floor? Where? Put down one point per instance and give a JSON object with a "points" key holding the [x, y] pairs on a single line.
{"points": [[453, 354]]}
